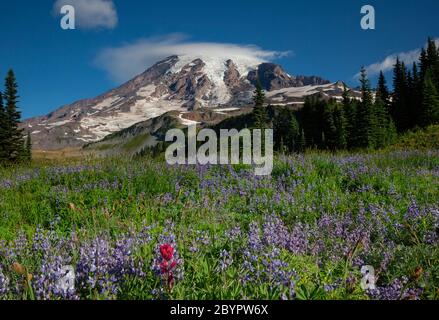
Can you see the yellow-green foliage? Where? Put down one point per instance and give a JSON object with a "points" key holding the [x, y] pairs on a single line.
{"points": [[422, 139]]}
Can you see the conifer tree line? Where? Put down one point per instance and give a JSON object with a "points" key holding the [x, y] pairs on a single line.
{"points": [[372, 122], [15, 146]]}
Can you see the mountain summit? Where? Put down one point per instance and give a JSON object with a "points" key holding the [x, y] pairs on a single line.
{"points": [[182, 83]]}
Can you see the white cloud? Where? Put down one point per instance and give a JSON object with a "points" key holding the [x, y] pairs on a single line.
{"points": [[387, 64], [91, 14], [124, 62]]}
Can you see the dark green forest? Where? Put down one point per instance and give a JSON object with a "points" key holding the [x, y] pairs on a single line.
{"points": [[373, 122]]}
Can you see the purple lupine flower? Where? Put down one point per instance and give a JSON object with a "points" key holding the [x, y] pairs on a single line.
{"points": [[395, 291], [226, 260], [413, 212], [55, 253], [431, 237], [168, 198], [298, 240], [254, 238], [4, 283], [50, 282], [388, 256], [20, 247], [94, 268], [234, 233]]}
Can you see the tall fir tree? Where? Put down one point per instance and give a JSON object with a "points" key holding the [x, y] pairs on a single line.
{"points": [[423, 63], [410, 98], [260, 117], [14, 143], [385, 130], [382, 123], [350, 112], [310, 121], [365, 116], [293, 133], [281, 127], [329, 128], [400, 110], [430, 102], [433, 62], [340, 124], [415, 96], [383, 91]]}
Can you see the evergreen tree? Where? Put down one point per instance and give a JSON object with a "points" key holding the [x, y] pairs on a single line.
{"points": [[382, 124], [281, 127], [350, 110], [281, 146], [430, 103], [329, 128], [286, 131], [260, 117], [293, 133], [423, 63], [382, 91], [385, 131], [415, 96], [400, 110], [340, 124], [302, 141], [345, 95], [392, 133], [14, 136], [433, 62], [310, 119], [365, 115]]}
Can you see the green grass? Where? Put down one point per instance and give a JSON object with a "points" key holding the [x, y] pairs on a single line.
{"points": [[136, 142]]}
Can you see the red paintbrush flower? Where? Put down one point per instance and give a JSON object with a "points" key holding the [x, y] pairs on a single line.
{"points": [[167, 252]]}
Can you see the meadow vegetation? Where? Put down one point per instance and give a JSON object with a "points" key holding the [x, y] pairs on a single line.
{"points": [[140, 229]]}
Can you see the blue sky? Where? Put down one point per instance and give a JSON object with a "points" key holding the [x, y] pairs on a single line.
{"points": [[56, 67]]}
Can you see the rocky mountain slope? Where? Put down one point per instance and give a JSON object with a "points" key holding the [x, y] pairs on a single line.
{"points": [[178, 84]]}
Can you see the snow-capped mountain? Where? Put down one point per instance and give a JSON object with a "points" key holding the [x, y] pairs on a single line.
{"points": [[178, 83]]}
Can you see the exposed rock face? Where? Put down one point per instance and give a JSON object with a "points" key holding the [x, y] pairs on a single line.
{"points": [[310, 81], [180, 83], [273, 77], [191, 84], [232, 78]]}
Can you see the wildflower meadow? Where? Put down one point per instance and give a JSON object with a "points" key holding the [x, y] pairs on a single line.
{"points": [[120, 228]]}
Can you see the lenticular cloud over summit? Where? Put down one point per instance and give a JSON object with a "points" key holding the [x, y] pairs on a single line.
{"points": [[124, 62]]}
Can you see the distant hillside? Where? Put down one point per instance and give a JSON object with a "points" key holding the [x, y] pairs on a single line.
{"points": [[149, 134]]}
